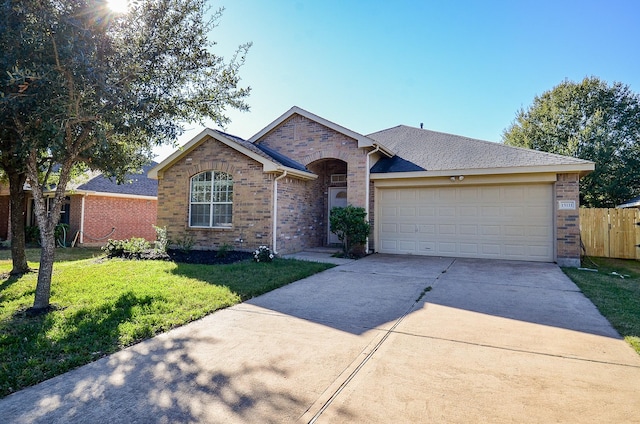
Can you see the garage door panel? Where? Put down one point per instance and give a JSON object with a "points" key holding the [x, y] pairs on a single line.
{"points": [[539, 251], [445, 211], [468, 211], [389, 245], [537, 231], [468, 230], [490, 194], [428, 229], [431, 211], [389, 228], [489, 230], [515, 230], [447, 230], [407, 246], [447, 248], [389, 212], [511, 222], [405, 195], [445, 195], [407, 229], [426, 247], [405, 212], [468, 248], [490, 211]]}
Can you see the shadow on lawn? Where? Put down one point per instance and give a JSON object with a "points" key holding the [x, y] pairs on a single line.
{"points": [[52, 344]]}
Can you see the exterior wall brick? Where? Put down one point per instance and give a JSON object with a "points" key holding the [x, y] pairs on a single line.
{"points": [[299, 224], [308, 141], [115, 218], [252, 199], [303, 206], [567, 187]]}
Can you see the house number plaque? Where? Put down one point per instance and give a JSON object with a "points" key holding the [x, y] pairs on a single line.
{"points": [[564, 205]]}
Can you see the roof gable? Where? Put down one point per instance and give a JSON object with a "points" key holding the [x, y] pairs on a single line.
{"points": [[436, 151], [270, 162], [361, 139]]}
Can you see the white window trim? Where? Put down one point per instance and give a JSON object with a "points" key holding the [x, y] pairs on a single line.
{"points": [[211, 226]]}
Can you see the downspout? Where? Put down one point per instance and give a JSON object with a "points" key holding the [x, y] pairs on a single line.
{"points": [[275, 211], [367, 201], [82, 219]]}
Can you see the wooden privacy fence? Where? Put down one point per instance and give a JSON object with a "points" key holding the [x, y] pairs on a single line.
{"points": [[611, 233]]}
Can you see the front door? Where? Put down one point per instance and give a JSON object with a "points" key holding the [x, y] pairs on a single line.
{"points": [[337, 199]]}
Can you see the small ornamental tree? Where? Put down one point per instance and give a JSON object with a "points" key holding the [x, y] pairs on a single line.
{"points": [[351, 227]]}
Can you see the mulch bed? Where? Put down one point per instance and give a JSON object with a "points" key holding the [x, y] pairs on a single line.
{"points": [[202, 257], [208, 257]]}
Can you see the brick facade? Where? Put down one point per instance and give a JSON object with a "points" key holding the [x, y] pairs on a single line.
{"points": [[115, 218], [302, 211], [567, 187], [252, 201], [303, 205], [307, 142]]}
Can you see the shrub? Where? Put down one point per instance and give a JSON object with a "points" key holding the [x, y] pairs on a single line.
{"points": [[133, 247], [351, 227], [162, 241], [223, 251], [263, 254], [32, 234], [184, 243]]}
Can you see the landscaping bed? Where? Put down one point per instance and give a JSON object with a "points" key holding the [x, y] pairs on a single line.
{"points": [[200, 257]]}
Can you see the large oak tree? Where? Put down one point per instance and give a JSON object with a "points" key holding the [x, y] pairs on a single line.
{"points": [[590, 120], [83, 86]]}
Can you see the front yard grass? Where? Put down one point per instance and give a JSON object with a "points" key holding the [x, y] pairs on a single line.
{"points": [[102, 306], [618, 299]]}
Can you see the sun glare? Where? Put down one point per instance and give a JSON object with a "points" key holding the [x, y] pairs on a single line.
{"points": [[118, 6]]}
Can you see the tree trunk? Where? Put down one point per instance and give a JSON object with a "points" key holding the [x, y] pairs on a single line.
{"points": [[18, 207], [45, 272]]}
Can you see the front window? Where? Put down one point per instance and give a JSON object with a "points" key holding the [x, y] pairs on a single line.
{"points": [[211, 200]]}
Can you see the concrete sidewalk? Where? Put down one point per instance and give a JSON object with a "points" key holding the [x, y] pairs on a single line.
{"points": [[487, 341]]}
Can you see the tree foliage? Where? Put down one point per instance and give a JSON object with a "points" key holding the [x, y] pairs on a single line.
{"points": [[351, 227], [83, 86], [590, 120]]}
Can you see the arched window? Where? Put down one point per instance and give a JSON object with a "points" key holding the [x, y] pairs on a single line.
{"points": [[211, 199]]}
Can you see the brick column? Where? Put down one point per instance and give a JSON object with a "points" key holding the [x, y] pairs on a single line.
{"points": [[567, 189]]}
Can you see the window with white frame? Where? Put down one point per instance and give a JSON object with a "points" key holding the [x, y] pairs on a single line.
{"points": [[211, 199]]}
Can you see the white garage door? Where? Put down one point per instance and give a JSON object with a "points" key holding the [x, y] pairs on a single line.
{"points": [[502, 222]]}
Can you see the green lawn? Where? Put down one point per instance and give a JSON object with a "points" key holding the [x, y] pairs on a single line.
{"points": [[104, 305], [618, 299]]}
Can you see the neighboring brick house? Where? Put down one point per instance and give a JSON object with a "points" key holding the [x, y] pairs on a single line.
{"points": [[425, 192], [96, 209]]}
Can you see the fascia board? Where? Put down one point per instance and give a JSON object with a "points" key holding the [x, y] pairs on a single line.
{"points": [[582, 168], [156, 172], [362, 140]]}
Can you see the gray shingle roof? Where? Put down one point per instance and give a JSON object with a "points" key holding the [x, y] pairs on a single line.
{"points": [[436, 151], [137, 184], [265, 152]]}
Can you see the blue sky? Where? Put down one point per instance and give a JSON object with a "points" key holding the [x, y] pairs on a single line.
{"points": [[462, 67]]}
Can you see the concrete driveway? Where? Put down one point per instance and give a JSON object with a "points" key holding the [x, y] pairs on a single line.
{"points": [[382, 339]]}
